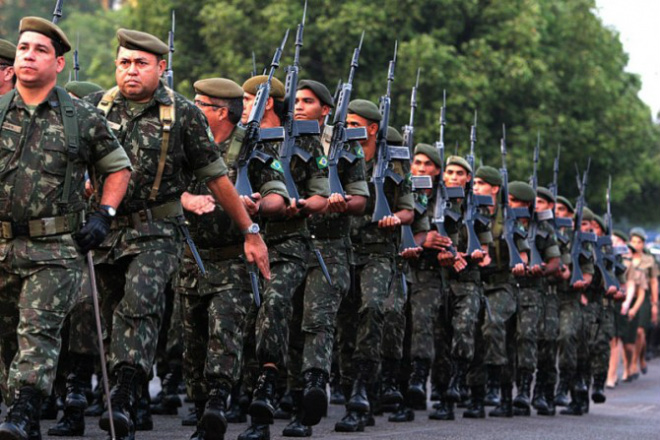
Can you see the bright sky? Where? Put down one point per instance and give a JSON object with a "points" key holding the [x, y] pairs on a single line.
{"points": [[637, 23]]}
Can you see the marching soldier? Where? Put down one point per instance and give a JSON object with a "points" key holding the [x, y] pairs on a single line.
{"points": [[45, 153], [7, 76], [168, 139]]}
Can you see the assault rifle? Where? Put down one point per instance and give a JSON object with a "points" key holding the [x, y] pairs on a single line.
{"points": [[57, 12], [578, 248], [294, 129], [605, 259], [510, 215], [535, 258], [472, 202], [76, 64], [254, 65], [559, 222], [339, 135], [338, 89], [253, 131], [169, 72]]}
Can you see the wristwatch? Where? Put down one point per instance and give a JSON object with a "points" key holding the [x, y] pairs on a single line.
{"points": [[252, 229], [109, 209]]}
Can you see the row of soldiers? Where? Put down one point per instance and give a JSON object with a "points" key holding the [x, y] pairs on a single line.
{"points": [[336, 255]]}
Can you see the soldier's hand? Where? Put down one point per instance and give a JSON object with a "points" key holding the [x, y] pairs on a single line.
{"points": [[486, 261], [580, 285], [611, 290], [94, 232], [564, 272], [252, 203], [295, 207], [445, 258], [390, 221], [197, 204], [583, 299], [256, 252], [460, 263], [478, 255], [89, 189], [336, 203], [536, 270], [436, 241], [411, 253], [519, 270]]}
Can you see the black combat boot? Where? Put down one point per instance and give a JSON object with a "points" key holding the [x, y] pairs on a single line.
{"points": [[352, 420], [262, 407], [390, 393], [256, 431], [72, 423], [122, 398], [476, 408], [192, 418], [236, 413], [315, 398], [336, 395], [213, 421], [492, 397], [97, 405], [403, 413], [297, 426], [524, 386], [442, 410], [574, 408], [143, 419], [168, 401], [416, 394], [598, 389], [505, 408], [582, 390], [197, 411], [538, 400], [284, 404], [359, 400], [49, 407], [561, 396], [456, 383], [549, 389], [22, 421]]}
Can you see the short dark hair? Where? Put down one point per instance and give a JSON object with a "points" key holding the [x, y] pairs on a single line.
{"points": [[279, 107], [59, 49], [234, 107]]}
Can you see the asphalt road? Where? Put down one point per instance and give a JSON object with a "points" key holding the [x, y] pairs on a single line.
{"points": [[632, 411]]}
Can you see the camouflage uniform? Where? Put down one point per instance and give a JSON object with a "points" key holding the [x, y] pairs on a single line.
{"points": [[215, 306], [362, 312], [144, 247], [313, 324], [33, 162]]}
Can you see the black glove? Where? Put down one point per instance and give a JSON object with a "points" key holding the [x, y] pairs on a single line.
{"points": [[94, 232]]}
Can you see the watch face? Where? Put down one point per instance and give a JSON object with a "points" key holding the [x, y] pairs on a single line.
{"points": [[253, 229]]}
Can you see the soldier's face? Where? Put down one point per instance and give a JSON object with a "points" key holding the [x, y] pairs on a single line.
{"points": [[353, 121], [308, 107], [637, 243], [456, 175], [483, 188], [6, 75], [543, 205], [138, 73], [517, 203], [595, 226], [423, 166], [248, 102], [36, 64], [585, 226], [562, 211]]}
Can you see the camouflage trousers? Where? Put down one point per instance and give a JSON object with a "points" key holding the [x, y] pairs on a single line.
{"points": [[35, 298], [361, 315], [527, 321], [213, 313], [572, 335], [315, 306], [426, 296], [465, 303], [548, 332], [395, 317], [600, 319], [169, 351], [498, 324], [133, 294], [288, 268]]}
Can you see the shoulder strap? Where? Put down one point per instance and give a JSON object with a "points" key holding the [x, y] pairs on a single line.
{"points": [[108, 99], [166, 115], [5, 100], [70, 123]]}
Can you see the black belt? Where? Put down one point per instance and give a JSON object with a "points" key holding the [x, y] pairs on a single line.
{"points": [[135, 219]]}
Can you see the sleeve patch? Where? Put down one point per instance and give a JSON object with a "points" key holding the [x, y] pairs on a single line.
{"points": [[322, 162], [276, 165]]}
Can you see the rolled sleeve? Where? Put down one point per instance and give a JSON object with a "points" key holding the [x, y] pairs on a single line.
{"points": [[112, 162], [274, 187], [406, 201], [215, 169], [318, 186], [359, 188]]}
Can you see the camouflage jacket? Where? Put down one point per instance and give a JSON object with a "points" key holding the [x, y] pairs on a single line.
{"points": [[34, 154], [192, 151]]}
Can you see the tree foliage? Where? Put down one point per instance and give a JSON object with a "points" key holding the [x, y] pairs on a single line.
{"points": [[546, 66]]}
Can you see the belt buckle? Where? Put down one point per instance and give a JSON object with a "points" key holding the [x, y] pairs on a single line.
{"points": [[6, 231]]}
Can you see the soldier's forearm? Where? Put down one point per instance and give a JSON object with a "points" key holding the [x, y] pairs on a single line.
{"points": [[226, 195], [356, 205], [406, 216], [315, 204], [114, 188], [272, 205]]}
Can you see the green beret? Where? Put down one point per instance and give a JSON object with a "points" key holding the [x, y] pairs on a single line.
{"points": [[220, 88], [522, 191], [45, 27], [136, 40], [319, 89], [7, 50], [276, 87], [622, 235], [394, 137], [366, 109], [545, 193], [601, 222], [458, 160], [489, 175], [638, 232], [567, 203], [430, 152], [587, 214], [82, 88]]}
